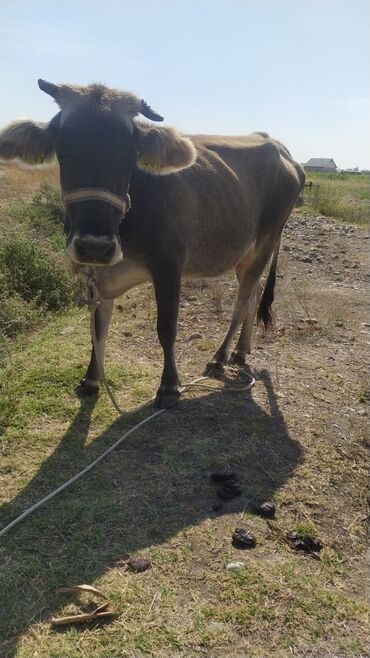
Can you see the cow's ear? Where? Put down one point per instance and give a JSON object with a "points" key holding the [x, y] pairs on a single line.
{"points": [[162, 150], [30, 141]]}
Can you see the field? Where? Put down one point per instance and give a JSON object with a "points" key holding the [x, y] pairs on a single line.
{"points": [[344, 196], [299, 439]]}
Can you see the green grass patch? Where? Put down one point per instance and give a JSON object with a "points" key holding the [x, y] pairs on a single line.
{"points": [[342, 196], [306, 529]]}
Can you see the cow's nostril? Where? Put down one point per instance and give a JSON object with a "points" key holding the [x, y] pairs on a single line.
{"points": [[94, 250]]}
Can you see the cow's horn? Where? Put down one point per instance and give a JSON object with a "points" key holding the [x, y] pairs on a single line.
{"points": [[147, 111], [48, 87]]}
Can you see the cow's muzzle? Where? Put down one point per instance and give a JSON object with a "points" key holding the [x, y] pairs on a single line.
{"points": [[91, 250]]}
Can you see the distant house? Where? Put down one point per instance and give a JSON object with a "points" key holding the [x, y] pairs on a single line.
{"points": [[320, 164]]}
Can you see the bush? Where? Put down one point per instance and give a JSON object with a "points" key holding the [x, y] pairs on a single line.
{"points": [[34, 274], [16, 315]]}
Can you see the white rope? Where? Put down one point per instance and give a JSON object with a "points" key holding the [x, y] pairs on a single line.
{"points": [[88, 468], [93, 303]]}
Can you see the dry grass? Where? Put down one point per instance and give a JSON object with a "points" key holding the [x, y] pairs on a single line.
{"points": [[344, 196], [13, 176], [298, 439]]}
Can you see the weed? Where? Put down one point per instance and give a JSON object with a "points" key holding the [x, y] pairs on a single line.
{"points": [[306, 529]]}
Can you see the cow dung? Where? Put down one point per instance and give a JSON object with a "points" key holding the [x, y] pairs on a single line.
{"points": [[304, 543], [243, 539], [267, 510], [139, 564]]}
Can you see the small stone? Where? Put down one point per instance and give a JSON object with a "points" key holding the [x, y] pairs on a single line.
{"points": [[267, 509], [306, 259], [139, 564], [339, 323], [67, 331], [215, 626], [362, 412], [243, 539], [234, 566]]}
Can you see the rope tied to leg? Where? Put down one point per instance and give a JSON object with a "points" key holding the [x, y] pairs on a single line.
{"points": [[93, 302], [92, 299]]}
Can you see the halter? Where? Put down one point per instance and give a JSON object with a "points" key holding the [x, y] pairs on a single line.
{"points": [[98, 194]]}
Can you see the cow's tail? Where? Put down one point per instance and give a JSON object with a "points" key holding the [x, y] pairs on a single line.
{"points": [[264, 309]]}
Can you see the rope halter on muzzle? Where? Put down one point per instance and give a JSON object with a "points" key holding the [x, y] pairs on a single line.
{"points": [[98, 194]]}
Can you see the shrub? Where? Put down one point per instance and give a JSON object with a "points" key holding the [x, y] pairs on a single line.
{"points": [[16, 315], [36, 273]]}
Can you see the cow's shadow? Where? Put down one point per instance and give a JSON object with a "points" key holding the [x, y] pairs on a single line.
{"points": [[153, 486]]}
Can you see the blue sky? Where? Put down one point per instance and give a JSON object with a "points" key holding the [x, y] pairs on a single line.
{"points": [[299, 69]]}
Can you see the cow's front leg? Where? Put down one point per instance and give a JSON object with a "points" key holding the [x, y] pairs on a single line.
{"points": [[103, 314], [167, 284]]}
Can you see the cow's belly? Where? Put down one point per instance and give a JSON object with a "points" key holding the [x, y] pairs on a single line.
{"points": [[196, 267], [220, 248]]}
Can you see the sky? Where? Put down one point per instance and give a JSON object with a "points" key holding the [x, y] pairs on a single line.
{"points": [[297, 69]]}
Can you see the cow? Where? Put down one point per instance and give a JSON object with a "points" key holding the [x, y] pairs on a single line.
{"points": [[145, 203]]}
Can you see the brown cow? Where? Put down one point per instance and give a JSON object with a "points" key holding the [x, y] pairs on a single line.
{"points": [[145, 203]]}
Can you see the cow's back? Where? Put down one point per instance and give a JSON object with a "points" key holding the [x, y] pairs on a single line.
{"points": [[216, 209]]}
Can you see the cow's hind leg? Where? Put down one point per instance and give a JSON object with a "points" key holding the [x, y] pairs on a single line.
{"points": [[244, 309], [103, 314], [244, 343], [248, 272]]}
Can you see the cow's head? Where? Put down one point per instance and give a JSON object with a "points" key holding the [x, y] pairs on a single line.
{"points": [[98, 144]]}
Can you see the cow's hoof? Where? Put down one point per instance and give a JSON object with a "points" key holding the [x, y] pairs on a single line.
{"points": [[236, 360], [166, 400], [86, 388], [214, 369]]}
